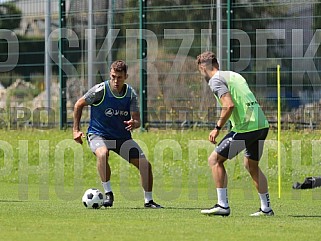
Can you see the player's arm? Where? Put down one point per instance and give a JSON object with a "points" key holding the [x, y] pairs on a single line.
{"points": [[134, 122], [94, 95], [227, 109], [77, 134]]}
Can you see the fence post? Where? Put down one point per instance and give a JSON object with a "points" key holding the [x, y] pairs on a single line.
{"points": [[62, 75], [47, 52], [229, 50], [110, 26], [143, 64]]}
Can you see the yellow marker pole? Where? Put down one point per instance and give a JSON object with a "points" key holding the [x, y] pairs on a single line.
{"points": [[279, 128]]}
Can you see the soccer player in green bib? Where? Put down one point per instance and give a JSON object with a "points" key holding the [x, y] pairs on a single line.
{"points": [[249, 130]]}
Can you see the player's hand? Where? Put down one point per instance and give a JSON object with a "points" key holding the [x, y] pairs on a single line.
{"points": [[130, 125], [78, 135], [212, 137]]}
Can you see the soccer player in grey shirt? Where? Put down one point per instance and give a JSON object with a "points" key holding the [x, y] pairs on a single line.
{"points": [[114, 114], [249, 130]]}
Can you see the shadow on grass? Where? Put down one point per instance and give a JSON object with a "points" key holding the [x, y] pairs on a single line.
{"points": [[181, 208], [11, 201], [165, 208], [305, 216]]}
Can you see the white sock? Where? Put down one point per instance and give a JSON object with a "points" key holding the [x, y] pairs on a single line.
{"points": [[222, 197], [265, 201], [148, 196], [106, 186]]}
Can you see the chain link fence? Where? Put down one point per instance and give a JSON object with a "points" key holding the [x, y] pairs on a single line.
{"points": [[262, 35]]}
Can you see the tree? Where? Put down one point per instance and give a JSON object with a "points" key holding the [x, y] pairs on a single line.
{"points": [[196, 15], [10, 16]]}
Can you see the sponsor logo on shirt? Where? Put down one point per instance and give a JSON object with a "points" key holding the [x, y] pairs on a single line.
{"points": [[251, 103], [111, 112]]}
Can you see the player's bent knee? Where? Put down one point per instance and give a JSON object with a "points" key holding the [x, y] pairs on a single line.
{"points": [[252, 169], [141, 163], [102, 154], [145, 163], [212, 162], [215, 160]]}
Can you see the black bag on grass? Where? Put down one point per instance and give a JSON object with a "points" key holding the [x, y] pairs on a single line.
{"points": [[309, 182]]}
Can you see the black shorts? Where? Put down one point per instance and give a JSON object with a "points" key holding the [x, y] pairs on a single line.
{"points": [[127, 149], [252, 142]]}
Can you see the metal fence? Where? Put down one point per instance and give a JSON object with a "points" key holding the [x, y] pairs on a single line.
{"points": [[250, 37]]}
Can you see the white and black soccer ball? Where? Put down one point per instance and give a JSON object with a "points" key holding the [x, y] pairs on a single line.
{"points": [[93, 198]]}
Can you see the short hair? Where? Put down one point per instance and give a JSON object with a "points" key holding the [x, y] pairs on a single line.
{"points": [[208, 58], [119, 66]]}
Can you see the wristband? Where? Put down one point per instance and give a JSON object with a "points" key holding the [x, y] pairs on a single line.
{"points": [[218, 127]]}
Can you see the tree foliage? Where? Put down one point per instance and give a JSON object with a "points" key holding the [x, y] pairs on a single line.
{"points": [[10, 16], [198, 15]]}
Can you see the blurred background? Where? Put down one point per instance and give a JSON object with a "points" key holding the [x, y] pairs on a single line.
{"points": [[59, 57]]}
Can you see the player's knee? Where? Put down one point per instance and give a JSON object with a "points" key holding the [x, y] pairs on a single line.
{"points": [[251, 167], [246, 165], [215, 160], [141, 164], [212, 161], [102, 154], [145, 164]]}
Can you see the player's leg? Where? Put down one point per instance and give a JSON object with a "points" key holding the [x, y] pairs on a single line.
{"points": [[102, 163], [229, 147], [104, 171], [132, 152], [261, 186], [145, 171], [253, 153], [99, 147], [216, 164], [224, 150], [257, 175]]}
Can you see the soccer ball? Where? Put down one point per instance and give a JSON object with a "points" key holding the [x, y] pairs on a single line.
{"points": [[93, 198]]}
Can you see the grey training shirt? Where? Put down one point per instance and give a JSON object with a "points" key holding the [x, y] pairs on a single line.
{"points": [[218, 83]]}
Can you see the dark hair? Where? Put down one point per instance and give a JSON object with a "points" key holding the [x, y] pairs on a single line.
{"points": [[208, 58], [119, 66]]}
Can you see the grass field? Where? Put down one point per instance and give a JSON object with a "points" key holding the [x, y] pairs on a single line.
{"points": [[43, 175]]}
